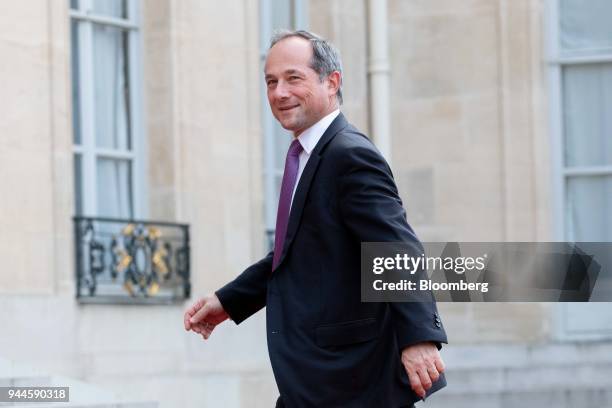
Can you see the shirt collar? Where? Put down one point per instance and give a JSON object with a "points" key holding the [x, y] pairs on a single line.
{"points": [[310, 137]]}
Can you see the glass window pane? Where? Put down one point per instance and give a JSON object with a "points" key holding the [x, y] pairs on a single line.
{"points": [[586, 25], [78, 184], [114, 188], [281, 139], [278, 180], [589, 208], [587, 114], [281, 14], [112, 8], [76, 100], [111, 88], [74, 4]]}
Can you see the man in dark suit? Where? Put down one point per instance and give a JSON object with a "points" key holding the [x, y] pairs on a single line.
{"points": [[327, 348]]}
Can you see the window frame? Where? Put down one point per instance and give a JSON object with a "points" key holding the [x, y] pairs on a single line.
{"points": [[299, 19], [87, 150], [556, 60]]}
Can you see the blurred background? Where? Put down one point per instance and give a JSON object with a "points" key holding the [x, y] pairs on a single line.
{"points": [[140, 168]]}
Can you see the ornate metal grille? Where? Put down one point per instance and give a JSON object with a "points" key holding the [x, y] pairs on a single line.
{"points": [[131, 261]]}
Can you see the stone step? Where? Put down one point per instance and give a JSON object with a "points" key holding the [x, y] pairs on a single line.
{"points": [[35, 381], [82, 394], [543, 398], [87, 405], [515, 355], [11, 369], [23, 381], [529, 378]]}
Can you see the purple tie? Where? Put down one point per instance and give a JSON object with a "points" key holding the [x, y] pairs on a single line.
{"points": [[292, 164]]}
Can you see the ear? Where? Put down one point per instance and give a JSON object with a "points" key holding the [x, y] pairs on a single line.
{"points": [[334, 80]]}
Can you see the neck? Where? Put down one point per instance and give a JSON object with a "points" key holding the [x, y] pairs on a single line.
{"points": [[331, 109]]}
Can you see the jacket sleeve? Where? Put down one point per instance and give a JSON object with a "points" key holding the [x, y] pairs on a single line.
{"points": [[246, 295], [372, 210]]}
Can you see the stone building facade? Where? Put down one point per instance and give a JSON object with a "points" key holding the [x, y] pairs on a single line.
{"points": [[479, 132]]}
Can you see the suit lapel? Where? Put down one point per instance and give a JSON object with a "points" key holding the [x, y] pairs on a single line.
{"points": [[306, 179]]}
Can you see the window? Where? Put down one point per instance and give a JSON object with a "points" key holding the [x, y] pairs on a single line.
{"points": [[108, 140], [581, 64], [580, 58], [275, 14]]}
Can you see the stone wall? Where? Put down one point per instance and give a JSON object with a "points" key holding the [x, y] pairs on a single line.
{"points": [[204, 143], [470, 155]]}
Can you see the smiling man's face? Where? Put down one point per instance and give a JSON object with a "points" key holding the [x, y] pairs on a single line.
{"points": [[298, 98]]}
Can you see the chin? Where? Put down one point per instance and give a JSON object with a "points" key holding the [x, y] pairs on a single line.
{"points": [[288, 125]]}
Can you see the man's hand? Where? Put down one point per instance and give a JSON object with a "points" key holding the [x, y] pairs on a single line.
{"points": [[204, 315], [423, 364]]}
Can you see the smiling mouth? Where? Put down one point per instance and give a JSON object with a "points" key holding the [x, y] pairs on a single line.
{"points": [[287, 108]]}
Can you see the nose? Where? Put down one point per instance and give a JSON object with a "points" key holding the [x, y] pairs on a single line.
{"points": [[280, 91]]}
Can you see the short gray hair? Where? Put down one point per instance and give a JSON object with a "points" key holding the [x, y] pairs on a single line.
{"points": [[325, 57]]}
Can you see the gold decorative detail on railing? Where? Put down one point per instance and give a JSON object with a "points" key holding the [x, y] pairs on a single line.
{"points": [[148, 258]]}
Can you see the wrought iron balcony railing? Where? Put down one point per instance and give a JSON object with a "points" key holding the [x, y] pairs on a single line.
{"points": [[131, 261]]}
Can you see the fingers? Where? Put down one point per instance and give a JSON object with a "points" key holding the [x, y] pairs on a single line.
{"points": [[186, 320], [204, 329], [439, 364], [415, 383], [195, 319], [432, 373], [208, 331], [200, 315], [420, 381], [423, 365], [191, 311], [198, 327]]}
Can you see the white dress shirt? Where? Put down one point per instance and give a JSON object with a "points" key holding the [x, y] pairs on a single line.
{"points": [[309, 139]]}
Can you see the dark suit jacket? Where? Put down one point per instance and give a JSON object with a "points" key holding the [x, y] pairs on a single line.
{"points": [[327, 348]]}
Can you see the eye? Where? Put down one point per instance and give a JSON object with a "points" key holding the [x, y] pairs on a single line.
{"points": [[271, 82], [294, 78]]}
